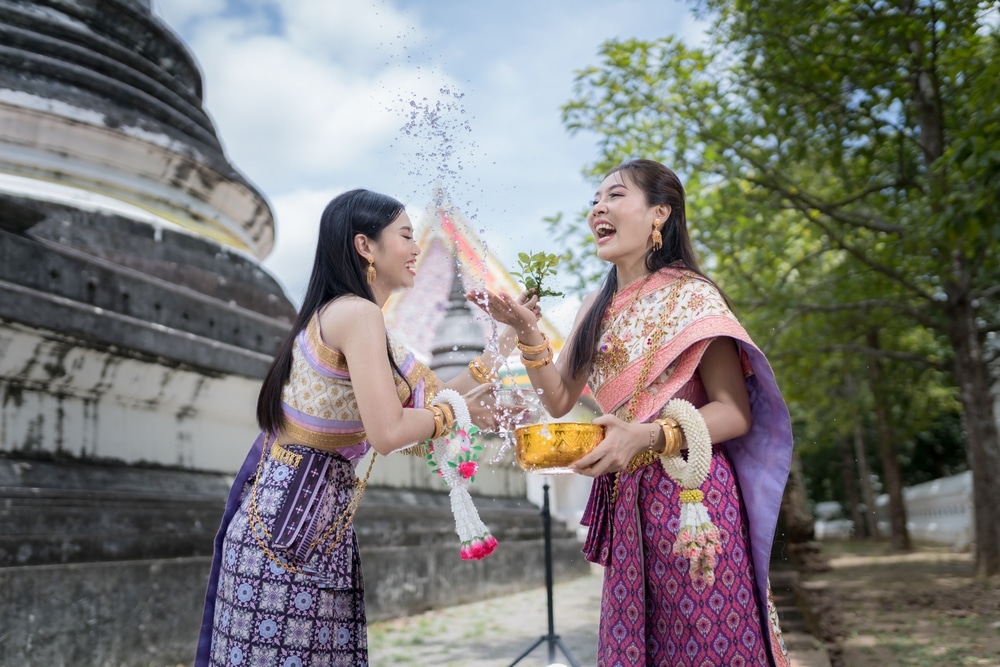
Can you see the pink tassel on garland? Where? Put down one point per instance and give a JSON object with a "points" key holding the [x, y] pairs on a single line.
{"points": [[698, 538]]}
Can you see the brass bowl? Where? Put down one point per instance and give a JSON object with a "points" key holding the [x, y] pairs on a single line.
{"points": [[549, 449]]}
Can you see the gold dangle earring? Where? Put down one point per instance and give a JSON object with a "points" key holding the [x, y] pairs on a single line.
{"points": [[370, 271], [657, 237]]}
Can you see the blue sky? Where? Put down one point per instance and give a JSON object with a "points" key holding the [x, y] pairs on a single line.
{"points": [[313, 97]]}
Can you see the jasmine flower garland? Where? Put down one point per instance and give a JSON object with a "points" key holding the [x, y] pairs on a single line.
{"points": [[454, 457], [697, 538]]}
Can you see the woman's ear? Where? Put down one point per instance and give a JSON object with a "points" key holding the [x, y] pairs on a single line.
{"points": [[663, 211], [363, 245]]}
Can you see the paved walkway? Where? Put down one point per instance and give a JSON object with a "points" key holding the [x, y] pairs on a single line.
{"points": [[494, 633]]}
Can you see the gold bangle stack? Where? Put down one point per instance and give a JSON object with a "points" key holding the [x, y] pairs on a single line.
{"points": [[444, 419], [672, 435], [533, 349], [673, 441], [480, 371], [545, 346]]}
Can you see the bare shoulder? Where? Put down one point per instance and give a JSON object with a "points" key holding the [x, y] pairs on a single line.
{"points": [[342, 318]]}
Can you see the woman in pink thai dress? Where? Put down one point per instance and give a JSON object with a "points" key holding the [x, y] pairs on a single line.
{"points": [[658, 330]]}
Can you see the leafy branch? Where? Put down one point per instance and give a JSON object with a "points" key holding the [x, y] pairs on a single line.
{"points": [[534, 269]]}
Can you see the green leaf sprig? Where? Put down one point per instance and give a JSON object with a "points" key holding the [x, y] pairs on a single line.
{"points": [[534, 269]]}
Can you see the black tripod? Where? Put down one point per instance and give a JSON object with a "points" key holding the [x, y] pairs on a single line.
{"points": [[552, 638]]}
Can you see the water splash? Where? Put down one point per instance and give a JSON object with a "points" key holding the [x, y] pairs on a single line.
{"points": [[437, 147], [436, 141]]}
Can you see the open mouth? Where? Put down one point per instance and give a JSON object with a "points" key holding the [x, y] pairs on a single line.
{"points": [[603, 230]]}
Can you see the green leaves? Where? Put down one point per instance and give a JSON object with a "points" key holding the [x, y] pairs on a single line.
{"points": [[534, 269]]}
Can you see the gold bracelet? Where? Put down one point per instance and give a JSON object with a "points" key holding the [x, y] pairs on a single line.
{"points": [[653, 432], [480, 372], [673, 436], [449, 415], [532, 349], [438, 415], [538, 363], [444, 419]]}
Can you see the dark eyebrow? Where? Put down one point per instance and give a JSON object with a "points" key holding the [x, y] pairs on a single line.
{"points": [[597, 195]]}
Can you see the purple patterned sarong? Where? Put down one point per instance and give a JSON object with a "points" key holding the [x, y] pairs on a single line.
{"points": [[265, 614], [690, 625]]}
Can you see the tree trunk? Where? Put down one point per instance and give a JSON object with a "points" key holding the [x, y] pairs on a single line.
{"points": [[975, 385], [889, 454], [799, 522], [851, 485], [860, 453], [864, 473]]}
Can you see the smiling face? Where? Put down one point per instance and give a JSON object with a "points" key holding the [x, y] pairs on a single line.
{"points": [[621, 221], [395, 254]]}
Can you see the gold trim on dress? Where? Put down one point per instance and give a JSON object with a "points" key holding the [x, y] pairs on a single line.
{"points": [[327, 442]]}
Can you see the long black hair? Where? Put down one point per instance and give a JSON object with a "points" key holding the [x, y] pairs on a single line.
{"points": [[660, 185], [337, 271]]}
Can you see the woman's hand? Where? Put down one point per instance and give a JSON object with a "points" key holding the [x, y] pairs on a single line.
{"points": [[521, 314], [621, 442], [482, 405]]}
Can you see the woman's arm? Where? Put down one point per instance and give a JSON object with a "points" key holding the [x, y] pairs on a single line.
{"points": [[356, 327], [557, 391], [727, 413]]}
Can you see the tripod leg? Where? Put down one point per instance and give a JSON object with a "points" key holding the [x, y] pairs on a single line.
{"points": [[566, 653], [529, 650]]}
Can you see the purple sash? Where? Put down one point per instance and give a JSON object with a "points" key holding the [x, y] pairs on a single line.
{"points": [[295, 527]]}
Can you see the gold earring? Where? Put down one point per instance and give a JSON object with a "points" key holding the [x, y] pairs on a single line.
{"points": [[657, 238], [370, 271]]}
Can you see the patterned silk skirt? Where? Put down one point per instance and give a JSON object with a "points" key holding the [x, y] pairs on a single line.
{"points": [[290, 591], [652, 614]]}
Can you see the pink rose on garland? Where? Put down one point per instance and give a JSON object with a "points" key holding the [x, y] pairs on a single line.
{"points": [[479, 547], [468, 469]]}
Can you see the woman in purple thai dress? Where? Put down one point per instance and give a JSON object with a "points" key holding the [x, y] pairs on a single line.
{"points": [[659, 330], [286, 588]]}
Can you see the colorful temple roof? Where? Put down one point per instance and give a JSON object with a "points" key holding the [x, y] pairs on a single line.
{"points": [[451, 250]]}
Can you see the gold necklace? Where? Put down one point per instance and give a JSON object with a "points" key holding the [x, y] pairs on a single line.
{"points": [[613, 355]]}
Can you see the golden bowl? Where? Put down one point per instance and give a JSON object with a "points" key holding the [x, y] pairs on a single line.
{"points": [[549, 449]]}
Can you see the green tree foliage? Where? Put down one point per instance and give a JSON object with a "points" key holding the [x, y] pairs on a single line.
{"points": [[841, 161]]}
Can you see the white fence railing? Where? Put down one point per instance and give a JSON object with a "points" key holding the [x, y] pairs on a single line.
{"points": [[939, 511]]}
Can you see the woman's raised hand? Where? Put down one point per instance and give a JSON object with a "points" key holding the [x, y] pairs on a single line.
{"points": [[521, 313]]}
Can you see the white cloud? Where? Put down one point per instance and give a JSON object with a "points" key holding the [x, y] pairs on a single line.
{"points": [[177, 13], [362, 36], [295, 245]]}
